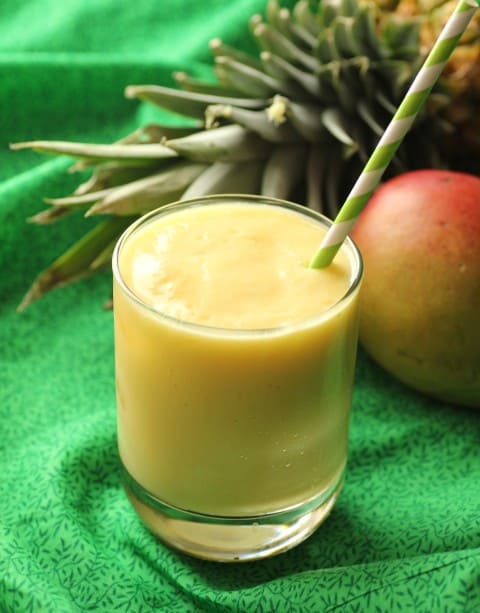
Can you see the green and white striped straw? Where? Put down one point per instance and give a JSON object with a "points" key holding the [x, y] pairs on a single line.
{"points": [[395, 132]]}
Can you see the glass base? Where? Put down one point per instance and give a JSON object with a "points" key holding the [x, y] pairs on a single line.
{"points": [[231, 539]]}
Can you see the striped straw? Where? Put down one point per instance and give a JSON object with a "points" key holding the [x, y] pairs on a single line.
{"points": [[395, 132]]}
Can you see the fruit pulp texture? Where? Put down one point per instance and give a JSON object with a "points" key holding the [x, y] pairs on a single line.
{"points": [[246, 413]]}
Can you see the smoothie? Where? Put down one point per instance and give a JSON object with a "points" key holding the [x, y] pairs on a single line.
{"points": [[234, 360]]}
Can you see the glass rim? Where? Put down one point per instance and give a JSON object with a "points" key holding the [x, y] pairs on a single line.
{"points": [[247, 199]]}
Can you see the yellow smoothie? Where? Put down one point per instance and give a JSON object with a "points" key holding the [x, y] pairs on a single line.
{"points": [[234, 360]]}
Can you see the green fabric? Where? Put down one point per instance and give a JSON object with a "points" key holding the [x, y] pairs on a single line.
{"points": [[405, 533]]}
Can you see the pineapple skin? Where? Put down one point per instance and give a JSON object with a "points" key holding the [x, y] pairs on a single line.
{"points": [[461, 76]]}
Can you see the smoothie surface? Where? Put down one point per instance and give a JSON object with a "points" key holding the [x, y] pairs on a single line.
{"points": [[232, 266]]}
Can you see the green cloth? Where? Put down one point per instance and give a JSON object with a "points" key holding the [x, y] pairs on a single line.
{"points": [[405, 533]]}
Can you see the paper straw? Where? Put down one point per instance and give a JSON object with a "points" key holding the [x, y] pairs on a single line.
{"points": [[395, 132]]}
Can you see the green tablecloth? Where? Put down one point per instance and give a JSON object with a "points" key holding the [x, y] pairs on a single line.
{"points": [[405, 534]]}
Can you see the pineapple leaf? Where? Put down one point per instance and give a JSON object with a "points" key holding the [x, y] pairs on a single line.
{"points": [[315, 179], [147, 193], [190, 104], [75, 263], [284, 170], [345, 42], [111, 174], [190, 84], [80, 200], [90, 151], [305, 17], [50, 215], [403, 38], [308, 82], [220, 49], [305, 119], [297, 32], [366, 113], [335, 123], [229, 143], [250, 81], [272, 40], [267, 125], [231, 177]]}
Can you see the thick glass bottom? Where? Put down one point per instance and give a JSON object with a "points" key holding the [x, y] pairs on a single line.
{"points": [[231, 539]]}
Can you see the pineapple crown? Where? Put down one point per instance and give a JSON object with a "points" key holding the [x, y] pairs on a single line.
{"points": [[297, 121]]}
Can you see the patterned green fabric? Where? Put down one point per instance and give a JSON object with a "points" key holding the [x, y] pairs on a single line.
{"points": [[405, 534]]}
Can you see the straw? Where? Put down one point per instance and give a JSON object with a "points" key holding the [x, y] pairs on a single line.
{"points": [[395, 132]]}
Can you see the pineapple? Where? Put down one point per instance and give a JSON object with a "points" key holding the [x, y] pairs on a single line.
{"points": [[298, 121], [461, 78]]}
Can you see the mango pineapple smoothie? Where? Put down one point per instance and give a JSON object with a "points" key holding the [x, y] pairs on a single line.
{"points": [[234, 360]]}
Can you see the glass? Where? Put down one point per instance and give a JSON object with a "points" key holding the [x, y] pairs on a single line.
{"points": [[238, 450]]}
